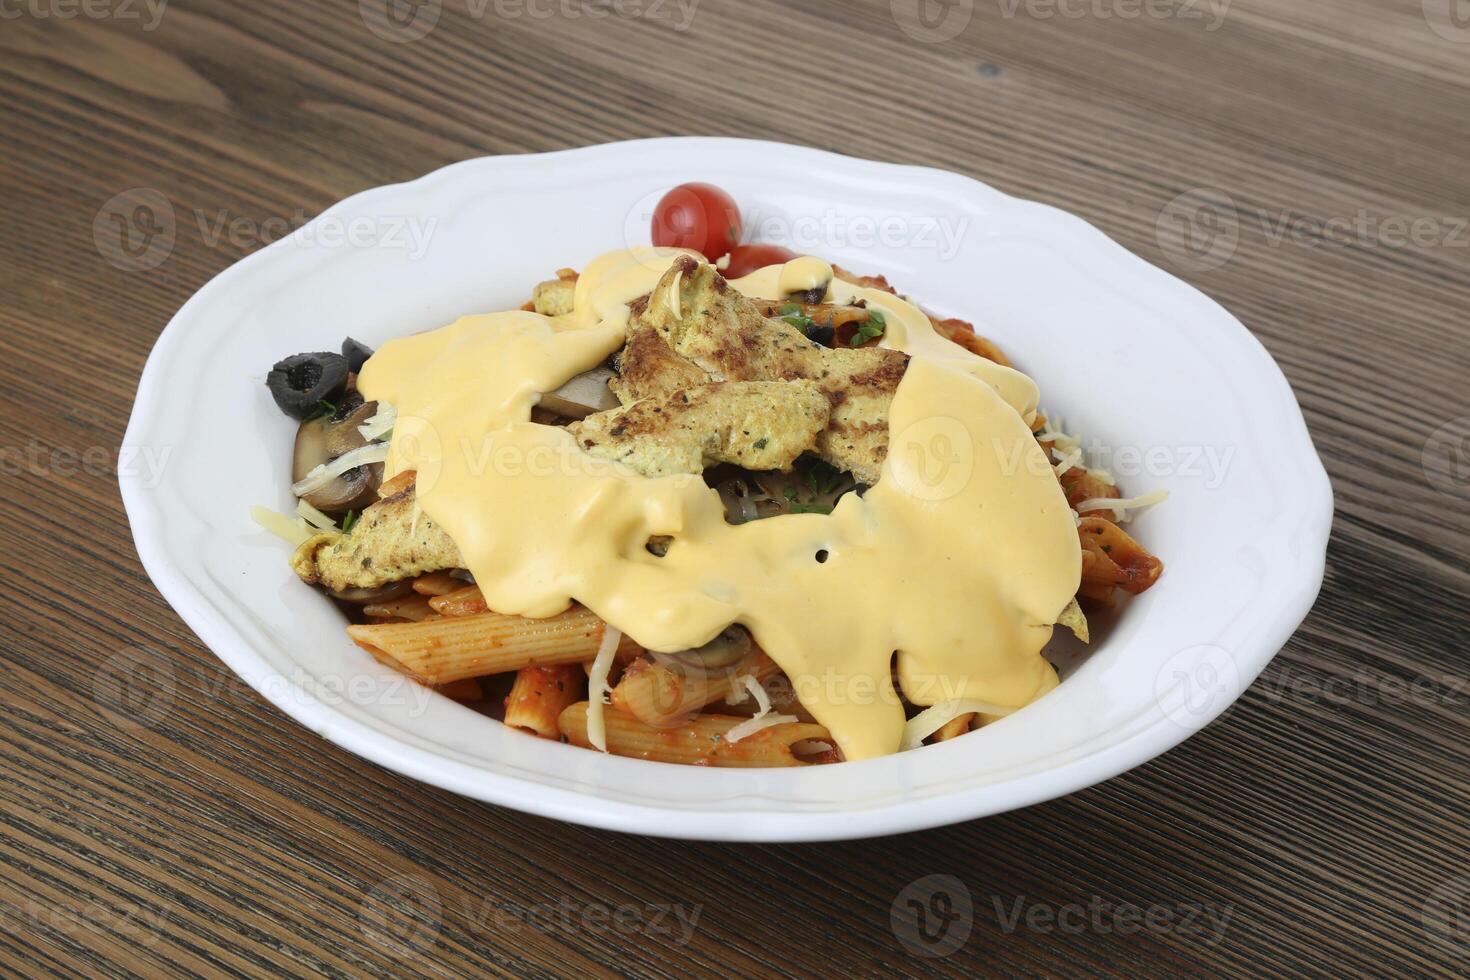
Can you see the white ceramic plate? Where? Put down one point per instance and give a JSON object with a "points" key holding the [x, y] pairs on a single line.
{"points": [[1123, 352]]}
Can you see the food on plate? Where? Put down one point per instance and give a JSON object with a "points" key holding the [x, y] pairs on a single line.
{"points": [[665, 511], [697, 216]]}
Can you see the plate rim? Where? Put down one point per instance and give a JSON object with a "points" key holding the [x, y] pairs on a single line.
{"points": [[1312, 529]]}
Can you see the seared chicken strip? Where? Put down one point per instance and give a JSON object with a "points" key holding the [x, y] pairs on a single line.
{"points": [[760, 425], [705, 324], [392, 540]]}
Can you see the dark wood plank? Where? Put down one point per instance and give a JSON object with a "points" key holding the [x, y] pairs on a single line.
{"points": [[1310, 831]]}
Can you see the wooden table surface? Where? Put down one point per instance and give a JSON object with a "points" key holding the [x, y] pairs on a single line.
{"points": [[1320, 828]]}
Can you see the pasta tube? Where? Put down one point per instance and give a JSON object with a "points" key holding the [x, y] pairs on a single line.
{"points": [[438, 651], [700, 741]]}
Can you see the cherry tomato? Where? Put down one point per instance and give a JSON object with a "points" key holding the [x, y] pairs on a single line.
{"points": [[697, 216], [745, 259]]}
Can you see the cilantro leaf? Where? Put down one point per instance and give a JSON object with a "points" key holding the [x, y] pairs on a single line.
{"points": [[870, 328]]}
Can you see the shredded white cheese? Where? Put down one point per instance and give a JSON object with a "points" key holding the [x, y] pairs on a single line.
{"points": [[1068, 460], [292, 530], [314, 517], [1060, 441], [738, 691], [1121, 504], [763, 718], [380, 426], [750, 726], [758, 691], [933, 718], [597, 686], [327, 472]]}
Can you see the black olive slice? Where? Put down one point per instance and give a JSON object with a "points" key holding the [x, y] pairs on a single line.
{"points": [[356, 354], [302, 383]]}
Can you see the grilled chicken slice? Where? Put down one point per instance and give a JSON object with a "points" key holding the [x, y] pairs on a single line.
{"points": [[760, 425], [763, 425], [392, 540], [705, 324], [648, 366]]}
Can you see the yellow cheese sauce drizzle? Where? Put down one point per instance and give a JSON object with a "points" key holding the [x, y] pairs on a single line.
{"points": [[960, 558]]}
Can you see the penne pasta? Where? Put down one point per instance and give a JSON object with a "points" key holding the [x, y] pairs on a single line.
{"points": [[541, 694], [700, 741], [442, 650], [662, 691], [1110, 558]]}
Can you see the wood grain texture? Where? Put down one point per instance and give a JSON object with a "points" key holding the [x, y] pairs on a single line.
{"points": [[1321, 824]]}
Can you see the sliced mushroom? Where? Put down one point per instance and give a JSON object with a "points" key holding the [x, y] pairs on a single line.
{"points": [[381, 593], [583, 395], [729, 648], [321, 440]]}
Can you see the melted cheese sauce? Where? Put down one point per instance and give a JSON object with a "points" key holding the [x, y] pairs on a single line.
{"points": [[960, 559]]}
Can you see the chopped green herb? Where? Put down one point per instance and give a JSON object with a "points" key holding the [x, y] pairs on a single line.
{"points": [[324, 409], [348, 520], [789, 493], [823, 477], [872, 327], [810, 509], [761, 442]]}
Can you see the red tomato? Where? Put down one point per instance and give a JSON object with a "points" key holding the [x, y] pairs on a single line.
{"points": [[745, 259], [697, 216]]}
